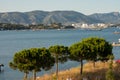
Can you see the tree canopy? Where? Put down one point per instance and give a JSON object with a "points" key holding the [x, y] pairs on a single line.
{"points": [[59, 52], [79, 52], [36, 59], [90, 49], [100, 48], [33, 59]]}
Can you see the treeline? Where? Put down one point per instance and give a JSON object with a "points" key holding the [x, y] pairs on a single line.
{"points": [[9, 26], [37, 59]]}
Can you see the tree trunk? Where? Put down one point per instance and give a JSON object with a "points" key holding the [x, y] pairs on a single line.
{"points": [[94, 64], [25, 76], [34, 75], [81, 68], [56, 67]]}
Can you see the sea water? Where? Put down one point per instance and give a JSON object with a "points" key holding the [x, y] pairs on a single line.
{"points": [[14, 41]]}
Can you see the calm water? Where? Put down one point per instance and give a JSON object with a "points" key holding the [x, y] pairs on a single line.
{"points": [[13, 41]]}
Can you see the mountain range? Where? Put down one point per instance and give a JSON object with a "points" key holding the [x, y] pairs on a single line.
{"points": [[64, 17]]}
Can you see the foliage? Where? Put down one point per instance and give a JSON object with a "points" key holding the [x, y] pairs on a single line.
{"points": [[91, 49], [109, 73], [60, 53], [100, 48], [36, 59], [33, 59], [79, 52], [9, 26], [21, 62]]}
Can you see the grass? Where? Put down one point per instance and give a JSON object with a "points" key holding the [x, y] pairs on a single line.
{"points": [[97, 73]]}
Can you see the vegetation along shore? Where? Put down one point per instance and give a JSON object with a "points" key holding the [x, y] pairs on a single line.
{"points": [[58, 26], [91, 49]]}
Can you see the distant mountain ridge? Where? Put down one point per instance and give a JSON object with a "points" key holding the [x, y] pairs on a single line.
{"points": [[68, 17], [112, 17], [45, 17]]}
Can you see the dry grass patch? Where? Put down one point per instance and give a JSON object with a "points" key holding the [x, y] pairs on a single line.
{"points": [[97, 73]]}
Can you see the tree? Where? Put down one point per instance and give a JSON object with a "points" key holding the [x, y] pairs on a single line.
{"points": [[21, 62], [41, 59], [100, 49], [33, 59], [59, 52], [79, 52], [92, 49]]}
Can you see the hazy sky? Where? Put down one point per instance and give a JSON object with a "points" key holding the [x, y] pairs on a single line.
{"points": [[83, 6]]}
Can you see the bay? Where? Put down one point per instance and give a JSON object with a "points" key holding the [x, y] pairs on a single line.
{"points": [[13, 41]]}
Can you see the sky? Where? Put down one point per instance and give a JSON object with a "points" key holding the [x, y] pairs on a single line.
{"points": [[83, 6]]}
